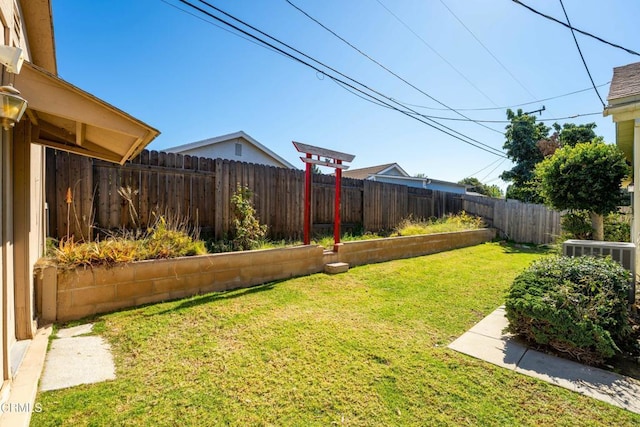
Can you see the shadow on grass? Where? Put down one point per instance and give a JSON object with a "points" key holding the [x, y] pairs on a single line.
{"points": [[186, 303], [523, 248], [217, 296]]}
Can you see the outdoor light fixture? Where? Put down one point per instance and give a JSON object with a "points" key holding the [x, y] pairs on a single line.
{"points": [[12, 106]]}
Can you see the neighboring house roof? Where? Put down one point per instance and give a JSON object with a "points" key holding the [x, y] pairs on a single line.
{"points": [[365, 173], [624, 105], [625, 82], [229, 137], [393, 173]]}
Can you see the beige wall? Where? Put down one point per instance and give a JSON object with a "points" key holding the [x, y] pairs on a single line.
{"points": [[73, 294], [21, 212]]}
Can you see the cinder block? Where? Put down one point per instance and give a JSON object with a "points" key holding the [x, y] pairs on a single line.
{"points": [[76, 312], [113, 306], [112, 275], [152, 298], [93, 295], [130, 290], [77, 278], [154, 269], [336, 267], [227, 276]]}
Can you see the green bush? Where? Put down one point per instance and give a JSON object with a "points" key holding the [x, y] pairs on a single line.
{"points": [[246, 230], [576, 306]]}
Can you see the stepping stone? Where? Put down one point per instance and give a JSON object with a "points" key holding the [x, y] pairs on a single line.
{"points": [[336, 267]]}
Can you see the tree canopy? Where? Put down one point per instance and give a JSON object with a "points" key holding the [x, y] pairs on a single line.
{"points": [[476, 186], [529, 142], [586, 176], [522, 136]]}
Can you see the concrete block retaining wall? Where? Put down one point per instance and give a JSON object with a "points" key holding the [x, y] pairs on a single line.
{"points": [[64, 295]]}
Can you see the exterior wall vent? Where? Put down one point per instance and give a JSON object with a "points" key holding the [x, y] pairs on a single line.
{"points": [[621, 252], [238, 149]]}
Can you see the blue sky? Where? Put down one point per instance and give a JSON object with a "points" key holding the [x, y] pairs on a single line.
{"points": [[193, 80]]}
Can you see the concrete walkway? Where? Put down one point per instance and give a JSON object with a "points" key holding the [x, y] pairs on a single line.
{"points": [[76, 358], [487, 342]]}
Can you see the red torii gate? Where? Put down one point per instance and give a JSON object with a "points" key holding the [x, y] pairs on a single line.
{"points": [[331, 159]]}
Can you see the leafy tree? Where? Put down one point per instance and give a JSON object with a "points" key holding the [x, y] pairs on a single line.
{"points": [[476, 186], [584, 177], [571, 134], [522, 136]]}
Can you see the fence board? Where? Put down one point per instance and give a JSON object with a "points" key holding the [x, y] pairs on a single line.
{"points": [[202, 188]]}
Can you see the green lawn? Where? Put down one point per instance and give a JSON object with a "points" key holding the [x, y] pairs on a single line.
{"points": [[367, 347]]}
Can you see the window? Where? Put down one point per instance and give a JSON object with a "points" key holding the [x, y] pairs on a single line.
{"points": [[238, 149]]}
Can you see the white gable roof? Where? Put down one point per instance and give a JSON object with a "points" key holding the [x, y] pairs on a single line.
{"points": [[229, 137]]}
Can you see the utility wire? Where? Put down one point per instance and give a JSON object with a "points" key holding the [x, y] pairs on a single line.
{"points": [[482, 146], [488, 51], [509, 121], [492, 170], [484, 168], [582, 56], [508, 106], [436, 52], [463, 120], [342, 39], [632, 52], [219, 26]]}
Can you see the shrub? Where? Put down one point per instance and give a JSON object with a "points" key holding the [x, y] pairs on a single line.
{"points": [[246, 230], [577, 225], [577, 306], [459, 222], [165, 239]]}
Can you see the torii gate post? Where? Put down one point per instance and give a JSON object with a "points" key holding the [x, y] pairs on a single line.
{"points": [[332, 159]]}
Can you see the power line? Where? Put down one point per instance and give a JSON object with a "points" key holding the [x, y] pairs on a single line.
{"points": [[436, 52], [492, 170], [487, 49], [582, 56], [382, 66], [437, 126], [508, 106], [484, 168], [632, 52], [509, 121], [218, 26]]}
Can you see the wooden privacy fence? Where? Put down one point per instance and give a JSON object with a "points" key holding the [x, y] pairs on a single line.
{"points": [[514, 220], [109, 196]]}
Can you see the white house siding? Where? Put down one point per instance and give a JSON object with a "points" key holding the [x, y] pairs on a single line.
{"points": [[227, 150]]}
